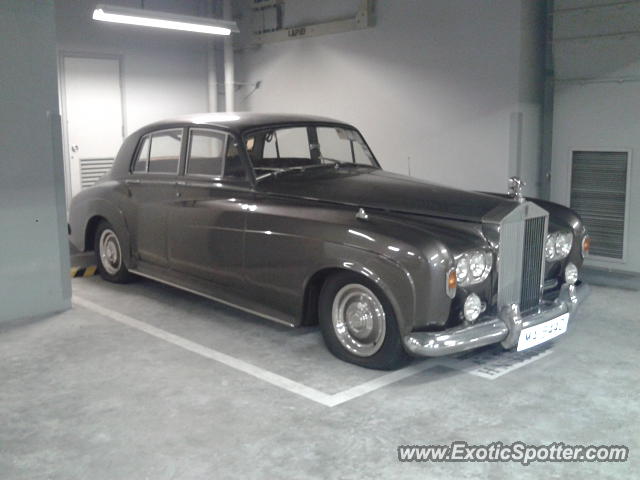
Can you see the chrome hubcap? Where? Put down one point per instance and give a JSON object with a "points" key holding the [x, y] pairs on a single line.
{"points": [[358, 320], [110, 255]]}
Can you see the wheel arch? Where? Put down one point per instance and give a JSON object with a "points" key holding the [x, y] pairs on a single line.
{"points": [[102, 210], [90, 232], [401, 291]]}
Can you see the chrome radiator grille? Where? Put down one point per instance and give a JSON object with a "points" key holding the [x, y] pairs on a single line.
{"points": [[521, 256], [534, 234]]}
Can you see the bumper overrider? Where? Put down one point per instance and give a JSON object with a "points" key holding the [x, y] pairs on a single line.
{"points": [[504, 328]]}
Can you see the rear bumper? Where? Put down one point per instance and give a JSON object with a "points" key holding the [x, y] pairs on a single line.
{"points": [[504, 328]]}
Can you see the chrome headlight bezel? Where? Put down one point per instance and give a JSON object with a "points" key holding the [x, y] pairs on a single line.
{"points": [[558, 246], [473, 267]]}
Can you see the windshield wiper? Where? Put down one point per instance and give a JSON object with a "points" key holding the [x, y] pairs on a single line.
{"points": [[299, 168]]}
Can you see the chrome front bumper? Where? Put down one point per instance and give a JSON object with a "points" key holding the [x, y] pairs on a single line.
{"points": [[504, 328]]}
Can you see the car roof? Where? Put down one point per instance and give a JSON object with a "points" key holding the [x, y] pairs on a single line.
{"points": [[238, 122]]}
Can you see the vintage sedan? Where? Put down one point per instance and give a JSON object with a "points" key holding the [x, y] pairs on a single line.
{"points": [[291, 218]]}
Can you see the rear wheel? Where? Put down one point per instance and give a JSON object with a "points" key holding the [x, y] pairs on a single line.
{"points": [[108, 250], [358, 324]]}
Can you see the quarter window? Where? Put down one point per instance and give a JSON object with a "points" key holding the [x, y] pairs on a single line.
{"points": [[164, 155], [143, 157], [206, 150]]}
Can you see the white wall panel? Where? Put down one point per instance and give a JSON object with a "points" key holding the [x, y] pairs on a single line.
{"points": [[164, 72], [34, 254], [599, 116], [597, 96], [434, 83]]}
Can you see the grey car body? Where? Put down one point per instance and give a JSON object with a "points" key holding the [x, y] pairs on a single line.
{"points": [[266, 245]]}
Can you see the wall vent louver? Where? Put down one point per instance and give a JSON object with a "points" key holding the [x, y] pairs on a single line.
{"points": [[599, 195], [91, 169]]}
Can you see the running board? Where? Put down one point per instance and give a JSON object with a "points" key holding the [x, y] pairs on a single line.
{"points": [[211, 297]]}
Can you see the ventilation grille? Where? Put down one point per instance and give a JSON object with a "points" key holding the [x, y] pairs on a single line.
{"points": [[599, 195], [91, 169]]}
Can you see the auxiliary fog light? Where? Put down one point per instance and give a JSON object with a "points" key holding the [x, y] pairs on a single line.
{"points": [[571, 273], [472, 307]]}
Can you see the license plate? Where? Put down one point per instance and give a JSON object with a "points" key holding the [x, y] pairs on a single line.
{"points": [[532, 336]]}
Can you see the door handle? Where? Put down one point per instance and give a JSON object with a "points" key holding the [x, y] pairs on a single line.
{"points": [[75, 148], [181, 183], [178, 194], [132, 181]]}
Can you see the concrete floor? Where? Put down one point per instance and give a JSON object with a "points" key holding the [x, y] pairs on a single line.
{"points": [[103, 396]]}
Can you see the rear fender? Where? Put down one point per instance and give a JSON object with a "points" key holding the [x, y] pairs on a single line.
{"points": [[111, 213]]}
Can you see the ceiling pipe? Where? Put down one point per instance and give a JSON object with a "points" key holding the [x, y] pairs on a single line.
{"points": [[229, 77], [212, 74]]}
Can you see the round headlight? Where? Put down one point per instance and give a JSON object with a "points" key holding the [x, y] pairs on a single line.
{"points": [[473, 267], [563, 244], [472, 307], [550, 247], [462, 268], [571, 273], [477, 264]]}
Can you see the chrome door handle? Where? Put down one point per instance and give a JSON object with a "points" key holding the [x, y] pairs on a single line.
{"points": [[131, 181], [181, 183], [178, 194]]}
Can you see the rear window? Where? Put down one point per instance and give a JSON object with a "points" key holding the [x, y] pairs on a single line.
{"points": [[164, 155]]}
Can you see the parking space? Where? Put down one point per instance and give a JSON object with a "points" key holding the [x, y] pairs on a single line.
{"points": [[268, 351], [119, 375]]}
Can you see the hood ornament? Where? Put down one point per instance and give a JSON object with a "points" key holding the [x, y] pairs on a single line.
{"points": [[515, 189]]}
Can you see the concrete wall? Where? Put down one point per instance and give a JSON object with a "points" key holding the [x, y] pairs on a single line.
{"points": [[597, 98], [451, 88], [164, 73], [34, 258]]}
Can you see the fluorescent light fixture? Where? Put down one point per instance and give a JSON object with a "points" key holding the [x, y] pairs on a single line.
{"points": [[170, 21]]}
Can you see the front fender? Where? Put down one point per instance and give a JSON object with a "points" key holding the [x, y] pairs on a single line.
{"points": [[396, 282]]}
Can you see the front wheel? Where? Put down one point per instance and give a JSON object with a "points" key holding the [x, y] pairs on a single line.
{"points": [[358, 324], [109, 255]]}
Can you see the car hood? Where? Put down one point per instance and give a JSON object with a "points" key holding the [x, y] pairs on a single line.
{"points": [[377, 189]]}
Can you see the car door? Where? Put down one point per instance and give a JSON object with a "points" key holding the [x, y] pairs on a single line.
{"points": [[151, 189], [207, 220]]}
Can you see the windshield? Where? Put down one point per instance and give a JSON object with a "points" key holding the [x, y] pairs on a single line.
{"points": [[300, 147]]}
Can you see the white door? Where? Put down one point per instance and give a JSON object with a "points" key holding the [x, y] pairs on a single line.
{"points": [[94, 121]]}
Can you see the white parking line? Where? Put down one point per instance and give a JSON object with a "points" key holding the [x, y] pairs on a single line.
{"points": [[265, 375], [489, 365], [260, 373]]}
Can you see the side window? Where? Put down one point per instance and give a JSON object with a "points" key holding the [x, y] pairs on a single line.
{"points": [[164, 155], [206, 149], [287, 143], [361, 155], [333, 144], [143, 157], [233, 167]]}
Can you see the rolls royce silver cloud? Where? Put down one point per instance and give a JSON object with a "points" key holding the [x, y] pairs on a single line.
{"points": [[293, 219]]}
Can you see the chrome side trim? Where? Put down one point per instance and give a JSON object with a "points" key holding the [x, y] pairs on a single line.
{"points": [[211, 297], [504, 328]]}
